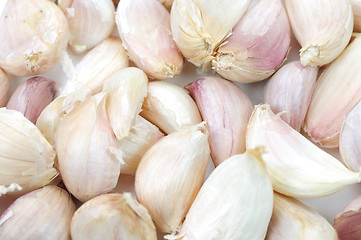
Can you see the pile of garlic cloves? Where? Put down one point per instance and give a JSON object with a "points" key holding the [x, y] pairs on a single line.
{"points": [[184, 119]]}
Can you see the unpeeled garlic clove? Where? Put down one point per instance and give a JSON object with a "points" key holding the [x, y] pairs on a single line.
{"points": [[144, 27], [337, 91], [258, 45], [112, 216], [4, 88], [226, 109], [170, 175], [169, 107], [200, 26], [90, 22], [322, 38], [296, 166], [45, 213], [32, 96], [289, 90], [39, 36], [356, 9]]}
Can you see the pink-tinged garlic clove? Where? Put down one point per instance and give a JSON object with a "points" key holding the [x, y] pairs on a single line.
{"points": [[4, 88]]}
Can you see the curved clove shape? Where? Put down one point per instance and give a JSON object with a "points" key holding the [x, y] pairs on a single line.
{"points": [[4, 88]]}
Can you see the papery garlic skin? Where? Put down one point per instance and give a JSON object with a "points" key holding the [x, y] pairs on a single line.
{"points": [[226, 109], [322, 38], [200, 26], [258, 45], [4, 88], [45, 213], [90, 22], [169, 107], [356, 9], [39, 36], [112, 216], [292, 219], [170, 175], [296, 166], [144, 27], [289, 90], [235, 202]]}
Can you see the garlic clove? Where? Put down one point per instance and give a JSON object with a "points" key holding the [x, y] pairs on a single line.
{"points": [[226, 109], [337, 91], [289, 90], [4, 88], [32, 96], [90, 22], [170, 175], [45, 213], [112, 216], [258, 45], [235, 202], [39, 36], [142, 136], [167, 3], [127, 89], [144, 27], [169, 107], [322, 38], [296, 166], [356, 9], [200, 26]]}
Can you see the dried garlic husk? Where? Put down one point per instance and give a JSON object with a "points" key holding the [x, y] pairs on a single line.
{"points": [[289, 90], [296, 166], [337, 91], [39, 36], [169, 107], [356, 9], [322, 38], [86, 148], [112, 216], [200, 26], [235, 202], [226, 109], [26, 158], [292, 219], [144, 27], [170, 175], [167, 3], [258, 45], [4, 88], [32, 96], [45, 213], [90, 22]]}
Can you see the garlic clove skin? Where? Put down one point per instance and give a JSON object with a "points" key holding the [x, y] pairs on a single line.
{"points": [[40, 36], [200, 26], [292, 219], [258, 45], [170, 175], [226, 109], [235, 202], [356, 9], [169, 107], [90, 22], [322, 39], [296, 166], [4, 88], [144, 27], [45, 213], [32, 96], [289, 90], [112, 216], [337, 91]]}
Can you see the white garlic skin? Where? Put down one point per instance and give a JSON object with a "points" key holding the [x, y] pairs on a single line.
{"points": [[39, 36], [4, 88]]}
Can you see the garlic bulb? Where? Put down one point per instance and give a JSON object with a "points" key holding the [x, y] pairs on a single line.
{"points": [[235, 202], [258, 45], [90, 22], [289, 90], [322, 38], [296, 166], [170, 175], [144, 27], [169, 107], [226, 109], [200, 26], [45, 213], [4, 88], [112, 216], [356, 9], [39, 36]]}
